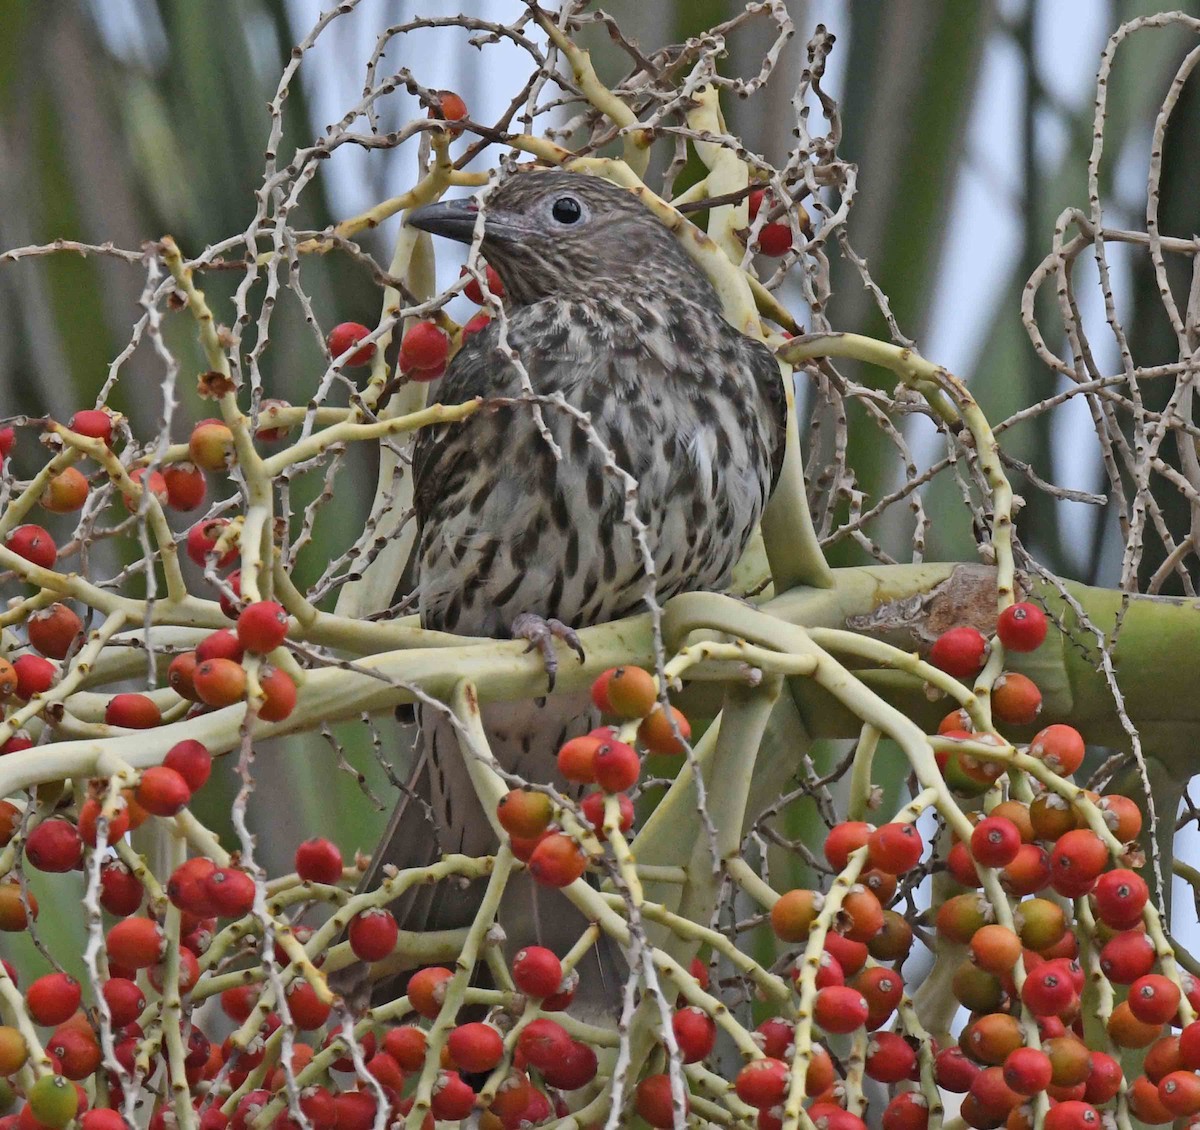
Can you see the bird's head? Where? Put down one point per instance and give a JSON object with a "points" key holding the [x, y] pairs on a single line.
{"points": [[552, 233]]}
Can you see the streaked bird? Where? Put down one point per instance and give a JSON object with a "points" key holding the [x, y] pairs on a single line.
{"points": [[523, 530]]}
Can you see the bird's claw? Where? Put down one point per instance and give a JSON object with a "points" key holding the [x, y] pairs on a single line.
{"points": [[541, 633]]}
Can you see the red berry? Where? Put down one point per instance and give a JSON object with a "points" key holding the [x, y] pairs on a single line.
{"points": [[262, 626], [1060, 747], [1027, 1071], [220, 682], [125, 1000], [654, 1103], [132, 712], [577, 759], [1021, 627], [995, 841], [657, 731], [1120, 897], [475, 1047], [162, 791], [890, 1058], [344, 336], [35, 675], [8, 437], [844, 839], [775, 240], [53, 998], [135, 943], [524, 813], [537, 971], [221, 644], [960, 652], [231, 892], [150, 481], [202, 539], [762, 1083], [907, 1111], [474, 325], [592, 807], [406, 1045], [617, 766], [372, 935], [424, 351], [34, 544], [543, 1043], [1016, 701], [557, 861], [895, 848], [188, 888], [319, 861], [191, 760], [449, 107], [840, 1008], [279, 692], [1154, 999], [452, 1099], [95, 423], [307, 1009], [54, 846], [54, 630], [121, 890], [695, 1033], [185, 485]]}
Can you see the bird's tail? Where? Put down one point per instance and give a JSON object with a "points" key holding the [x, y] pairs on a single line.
{"points": [[439, 813]]}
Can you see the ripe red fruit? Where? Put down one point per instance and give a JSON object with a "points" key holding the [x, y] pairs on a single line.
{"points": [[1060, 747], [543, 1043], [35, 675], [474, 292], [95, 423], [592, 807], [960, 652], [844, 839], [135, 943], [653, 1101], [840, 1009], [8, 437], [537, 971], [890, 1058], [53, 630], [230, 891], [895, 848], [221, 644], [449, 107], [372, 935], [1179, 1092], [220, 682], [577, 759], [162, 791], [53, 998], [188, 889], [995, 841], [34, 544], [1027, 1071], [1021, 627], [262, 626], [762, 1083], [279, 692], [211, 445], [695, 1033], [54, 846], [319, 861], [307, 1009], [125, 1000], [1076, 861], [344, 336], [907, 1111], [151, 482], [557, 861], [121, 890], [617, 766], [1126, 957], [1154, 999], [1071, 1114], [424, 351], [191, 760], [185, 485], [132, 712], [850, 955], [1016, 701], [202, 539], [953, 1071], [775, 240], [1104, 1078], [475, 1047], [452, 1099]]}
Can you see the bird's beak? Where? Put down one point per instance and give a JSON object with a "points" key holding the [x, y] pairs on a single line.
{"points": [[455, 219]]}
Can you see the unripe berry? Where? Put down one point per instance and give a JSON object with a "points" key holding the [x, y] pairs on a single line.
{"points": [[210, 445]]}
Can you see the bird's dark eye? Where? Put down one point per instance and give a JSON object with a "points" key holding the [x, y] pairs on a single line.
{"points": [[567, 210]]}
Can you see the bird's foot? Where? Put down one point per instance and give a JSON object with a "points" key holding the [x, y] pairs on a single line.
{"points": [[541, 633]]}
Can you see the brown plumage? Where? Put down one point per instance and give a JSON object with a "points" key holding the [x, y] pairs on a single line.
{"points": [[606, 311]]}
